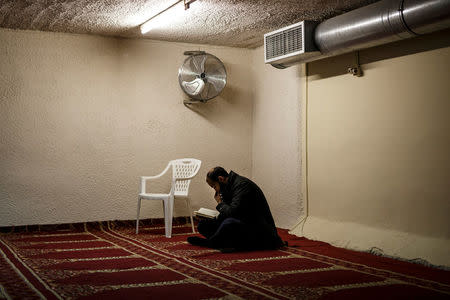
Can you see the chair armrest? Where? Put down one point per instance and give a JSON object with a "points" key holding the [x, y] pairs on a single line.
{"points": [[145, 178]]}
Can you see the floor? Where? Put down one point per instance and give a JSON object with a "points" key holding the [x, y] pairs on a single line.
{"points": [[108, 260]]}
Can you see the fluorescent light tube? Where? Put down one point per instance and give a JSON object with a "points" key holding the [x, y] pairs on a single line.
{"points": [[163, 19]]}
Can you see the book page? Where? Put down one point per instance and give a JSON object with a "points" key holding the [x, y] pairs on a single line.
{"points": [[206, 212]]}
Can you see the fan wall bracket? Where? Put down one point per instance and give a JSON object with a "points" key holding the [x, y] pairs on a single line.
{"points": [[193, 52], [187, 102]]}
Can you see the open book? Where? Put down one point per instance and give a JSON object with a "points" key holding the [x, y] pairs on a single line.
{"points": [[206, 213]]}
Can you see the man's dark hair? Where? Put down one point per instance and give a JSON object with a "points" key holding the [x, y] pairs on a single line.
{"points": [[215, 173]]}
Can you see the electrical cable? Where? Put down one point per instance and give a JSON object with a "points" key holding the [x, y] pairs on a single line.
{"points": [[305, 156]]}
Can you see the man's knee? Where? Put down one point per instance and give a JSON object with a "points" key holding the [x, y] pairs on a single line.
{"points": [[231, 227], [207, 227], [231, 221], [230, 224]]}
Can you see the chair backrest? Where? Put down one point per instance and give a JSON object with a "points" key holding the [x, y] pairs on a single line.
{"points": [[184, 168]]}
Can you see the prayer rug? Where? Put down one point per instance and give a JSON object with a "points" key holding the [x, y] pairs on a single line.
{"points": [[109, 261]]}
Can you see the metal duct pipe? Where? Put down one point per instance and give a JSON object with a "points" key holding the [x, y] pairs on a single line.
{"points": [[379, 23]]}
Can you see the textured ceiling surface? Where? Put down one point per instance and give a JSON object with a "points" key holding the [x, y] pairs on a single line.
{"points": [[236, 23]]}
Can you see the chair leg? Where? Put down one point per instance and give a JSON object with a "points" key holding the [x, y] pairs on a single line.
{"points": [[188, 202], [170, 216], [167, 226], [138, 212]]}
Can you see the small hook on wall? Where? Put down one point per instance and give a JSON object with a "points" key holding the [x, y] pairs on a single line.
{"points": [[356, 70]]}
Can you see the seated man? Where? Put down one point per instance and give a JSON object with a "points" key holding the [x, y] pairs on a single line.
{"points": [[244, 222]]}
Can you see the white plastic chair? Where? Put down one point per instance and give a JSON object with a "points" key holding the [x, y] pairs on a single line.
{"points": [[183, 170]]}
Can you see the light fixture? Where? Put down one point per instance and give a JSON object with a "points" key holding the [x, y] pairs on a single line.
{"points": [[158, 20]]}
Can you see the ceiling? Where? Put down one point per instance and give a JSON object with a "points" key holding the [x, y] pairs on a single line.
{"points": [[235, 23]]}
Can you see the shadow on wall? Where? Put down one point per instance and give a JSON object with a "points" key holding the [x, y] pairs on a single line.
{"points": [[206, 110], [212, 109], [336, 66]]}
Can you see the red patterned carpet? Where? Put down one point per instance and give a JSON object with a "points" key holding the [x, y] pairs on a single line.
{"points": [[104, 261]]}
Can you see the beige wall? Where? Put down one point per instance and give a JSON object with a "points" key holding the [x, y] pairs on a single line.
{"points": [[82, 117], [276, 160], [378, 151]]}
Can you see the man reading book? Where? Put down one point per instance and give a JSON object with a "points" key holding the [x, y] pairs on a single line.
{"points": [[244, 221]]}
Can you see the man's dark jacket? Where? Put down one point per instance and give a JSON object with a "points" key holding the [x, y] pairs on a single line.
{"points": [[243, 199]]}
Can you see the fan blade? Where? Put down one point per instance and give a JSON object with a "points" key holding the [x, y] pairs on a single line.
{"points": [[218, 82], [205, 93], [213, 66], [193, 87], [203, 62], [198, 63], [215, 69], [212, 91], [187, 73]]}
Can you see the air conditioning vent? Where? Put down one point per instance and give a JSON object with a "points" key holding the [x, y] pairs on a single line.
{"points": [[284, 42], [281, 45]]}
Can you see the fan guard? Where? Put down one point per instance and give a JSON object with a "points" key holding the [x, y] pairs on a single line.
{"points": [[202, 76]]}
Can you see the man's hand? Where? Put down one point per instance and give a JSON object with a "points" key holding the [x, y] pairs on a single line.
{"points": [[218, 198]]}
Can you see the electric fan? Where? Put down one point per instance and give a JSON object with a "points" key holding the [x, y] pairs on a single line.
{"points": [[202, 76]]}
